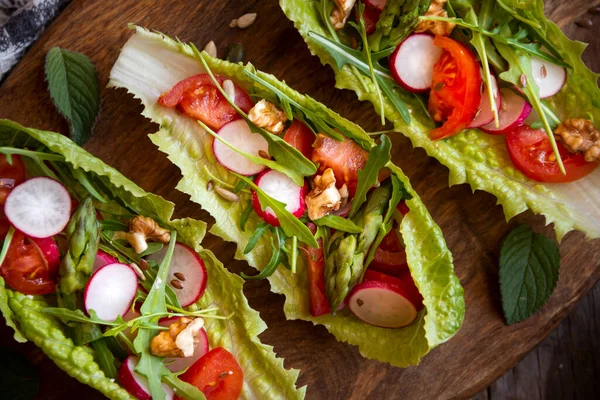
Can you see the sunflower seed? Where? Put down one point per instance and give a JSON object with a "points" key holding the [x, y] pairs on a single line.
{"points": [[229, 88], [143, 264], [176, 284], [264, 154], [211, 49], [244, 21], [179, 276], [523, 80], [226, 194], [137, 271]]}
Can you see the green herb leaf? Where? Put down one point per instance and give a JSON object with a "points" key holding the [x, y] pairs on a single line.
{"points": [[258, 233], [245, 215], [104, 358], [184, 389], [368, 176], [529, 264], [271, 267], [338, 223], [73, 84]]}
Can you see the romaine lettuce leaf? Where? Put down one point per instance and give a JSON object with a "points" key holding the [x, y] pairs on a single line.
{"points": [[150, 64], [264, 375], [477, 158]]}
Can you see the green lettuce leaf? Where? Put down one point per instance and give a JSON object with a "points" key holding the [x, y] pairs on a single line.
{"points": [[264, 375], [477, 158], [166, 62]]}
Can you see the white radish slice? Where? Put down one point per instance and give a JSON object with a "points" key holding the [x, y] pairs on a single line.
{"points": [[110, 291], [550, 78], [281, 188], [382, 304], [188, 269], [485, 114], [176, 364], [39, 207], [413, 60], [512, 113], [103, 259], [238, 134], [136, 384]]}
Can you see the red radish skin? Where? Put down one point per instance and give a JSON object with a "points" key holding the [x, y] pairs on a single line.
{"points": [[111, 291], [187, 264], [50, 251], [39, 207], [511, 115], [238, 134], [102, 259], [382, 304], [404, 280], [485, 114], [177, 364], [550, 78], [413, 60], [136, 384], [376, 4], [280, 187]]}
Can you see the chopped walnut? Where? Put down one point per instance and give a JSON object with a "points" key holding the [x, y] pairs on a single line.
{"points": [[180, 340], [340, 15], [266, 115], [325, 198], [142, 229], [580, 135], [444, 28]]}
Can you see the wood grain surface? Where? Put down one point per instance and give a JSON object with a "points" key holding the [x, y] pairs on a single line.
{"points": [[474, 226]]}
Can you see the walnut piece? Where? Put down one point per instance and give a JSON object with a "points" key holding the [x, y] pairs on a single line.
{"points": [[142, 229], [340, 15], [266, 115], [325, 198], [580, 135], [180, 340], [444, 28]]}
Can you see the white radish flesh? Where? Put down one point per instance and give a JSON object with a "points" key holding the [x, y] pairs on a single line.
{"points": [[238, 134], [103, 259], [176, 364], [382, 304], [550, 78], [187, 270], [39, 207], [136, 384], [512, 113], [485, 114], [281, 188], [110, 291], [413, 60]]}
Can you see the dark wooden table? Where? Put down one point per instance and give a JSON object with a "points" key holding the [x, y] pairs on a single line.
{"points": [[474, 226]]}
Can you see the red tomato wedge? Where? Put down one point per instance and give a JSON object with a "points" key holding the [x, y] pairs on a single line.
{"points": [[217, 374], [531, 152], [318, 303], [25, 269], [455, 89], [370, 16], [10, 175], [390, 257], [198, 98], [301, 137]]}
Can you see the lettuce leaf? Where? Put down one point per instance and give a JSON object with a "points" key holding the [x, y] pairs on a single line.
{"points": [[477, 158], [264, 375], [165, 62]]}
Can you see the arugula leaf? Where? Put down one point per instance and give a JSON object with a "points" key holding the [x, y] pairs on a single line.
{"points": [[104, 358], [271, 266], [529, 264], [258, 233], [73, 84], [367, 177], [338, 223], [291, 225], [183, 389], [245, 215]]}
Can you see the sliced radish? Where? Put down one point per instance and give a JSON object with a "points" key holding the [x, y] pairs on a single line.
{"points": [[403, 280], [413, 60], [110, 291], [50, 251], [238, 134], [383, 304], [39, 207], [103, 259], [485, 114], [512, 114], [280, 187], [176, 364], [550, 78], [136, 384], [188, 269]]}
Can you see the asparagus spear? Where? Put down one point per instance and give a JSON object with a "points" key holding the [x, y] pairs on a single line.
{"points": [[397, 20]]}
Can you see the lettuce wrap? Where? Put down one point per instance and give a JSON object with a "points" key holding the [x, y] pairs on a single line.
{"points": [[264, 374], [472, 156], [151, 64]]}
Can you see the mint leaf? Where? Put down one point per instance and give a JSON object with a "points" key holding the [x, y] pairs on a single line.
{"points": [[73, 84], [529, 265]]}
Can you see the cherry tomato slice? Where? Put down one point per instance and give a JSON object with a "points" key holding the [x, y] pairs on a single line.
{"points": [[198, 98], [455, 88], [370, 16], [318, 303], [217, 374], [25, 269], [301, 137], [10, 175], [531, 152]]}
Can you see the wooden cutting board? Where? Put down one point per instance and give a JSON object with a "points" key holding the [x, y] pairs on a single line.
{"points": [[472, 223]]}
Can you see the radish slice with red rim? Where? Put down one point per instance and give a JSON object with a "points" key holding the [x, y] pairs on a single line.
{"points": [[136, 384], [413, 60], [177, 364], [102, 259], [238, 134], [485, 114], [281, 188], [39, 207], [512, 114], [550, 78], [110, 291]]}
